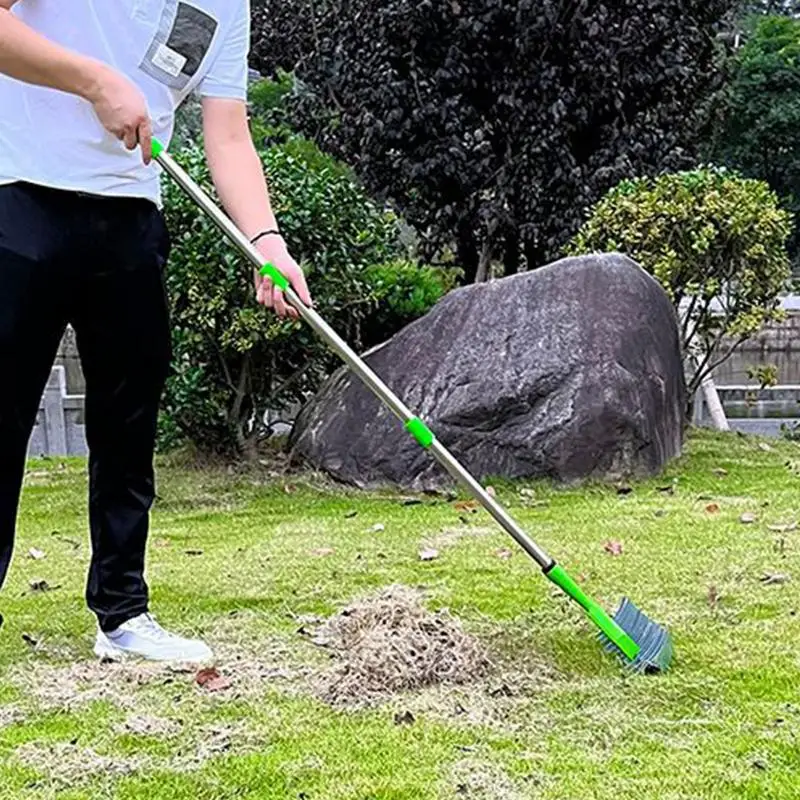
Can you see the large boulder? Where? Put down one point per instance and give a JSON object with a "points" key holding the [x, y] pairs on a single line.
{"points": [[572, 371]]}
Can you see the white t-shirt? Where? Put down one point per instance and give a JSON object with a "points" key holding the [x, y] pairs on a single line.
{"points": [[169, 48]]}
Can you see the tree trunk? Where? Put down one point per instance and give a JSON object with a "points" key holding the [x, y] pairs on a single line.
{"points": [[534, 255], [511, 259], [482, 275], [467, 251], [235, 415]]}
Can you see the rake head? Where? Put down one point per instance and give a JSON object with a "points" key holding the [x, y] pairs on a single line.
{"points": [[655, 643]]}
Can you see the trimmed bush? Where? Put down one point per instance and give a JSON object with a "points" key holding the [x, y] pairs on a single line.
{"points": [[714, 240]]}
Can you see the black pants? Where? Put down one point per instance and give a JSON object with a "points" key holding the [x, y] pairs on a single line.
{"points": [[97, 264]]}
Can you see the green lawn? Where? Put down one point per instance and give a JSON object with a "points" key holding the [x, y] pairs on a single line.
{"points": [[244, 559]]}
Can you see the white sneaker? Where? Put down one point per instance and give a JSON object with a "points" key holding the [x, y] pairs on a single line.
{"points": [[143, 637]]}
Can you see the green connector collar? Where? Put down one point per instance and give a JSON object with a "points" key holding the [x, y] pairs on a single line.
{"points": [[558, 575], [157, 147], [278, 278], [420, 431]]}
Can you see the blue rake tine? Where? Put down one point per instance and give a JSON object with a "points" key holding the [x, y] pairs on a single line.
{"points": [[655, 643]]}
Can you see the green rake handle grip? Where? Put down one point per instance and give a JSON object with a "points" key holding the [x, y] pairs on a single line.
{"points": [[558, 575], [414, 425]]}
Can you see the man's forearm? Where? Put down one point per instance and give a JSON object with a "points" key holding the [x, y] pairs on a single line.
{"points": [[240, 183], [238, 176], [30, 57]]}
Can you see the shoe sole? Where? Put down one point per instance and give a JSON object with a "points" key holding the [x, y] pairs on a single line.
{"points": [[110, 653]]}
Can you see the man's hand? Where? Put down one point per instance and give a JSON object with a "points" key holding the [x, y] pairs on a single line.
{"points": [[274, 251], [122, 110], [32, 58]]}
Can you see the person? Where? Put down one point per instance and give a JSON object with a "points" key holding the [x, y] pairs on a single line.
{"points": [[85, 87]]}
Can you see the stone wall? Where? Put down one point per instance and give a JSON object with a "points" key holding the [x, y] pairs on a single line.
{"points": [[777, 344], [68, 358], [60, 428]]}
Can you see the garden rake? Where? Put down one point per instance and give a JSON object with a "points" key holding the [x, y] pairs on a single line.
{"points": [[641, 644]]}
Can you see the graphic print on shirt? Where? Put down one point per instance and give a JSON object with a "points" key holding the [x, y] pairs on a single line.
{"points": [[181, 43]]}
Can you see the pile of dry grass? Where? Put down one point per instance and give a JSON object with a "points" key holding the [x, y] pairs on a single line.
{"points": [[389, 643]]}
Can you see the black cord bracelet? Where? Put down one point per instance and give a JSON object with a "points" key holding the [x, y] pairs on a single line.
{"points": [[270, 232]]}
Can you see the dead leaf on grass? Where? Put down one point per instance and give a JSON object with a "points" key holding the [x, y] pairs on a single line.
{"points": [[713, 596], [36, 554], [490, 491], [323, 551], [351, 514], [42, 586], [504, 554], [783, 527], [712, 508], [765, 447], [774, 579], [428, 554], [748, 518], [613, 547], [211, 680], [467, 505], [75, 544], [720, 472], [378, 527]]}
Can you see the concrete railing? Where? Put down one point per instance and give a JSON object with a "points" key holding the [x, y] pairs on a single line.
{"points": [[60, 428], [752, 409]]}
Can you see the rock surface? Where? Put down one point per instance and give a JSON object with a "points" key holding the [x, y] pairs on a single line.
{"points": [[570, 372]]}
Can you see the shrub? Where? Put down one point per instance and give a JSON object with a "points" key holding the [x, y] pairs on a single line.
{"points": [[234, 360], [269, 114], [403, 291], [715, 241]]}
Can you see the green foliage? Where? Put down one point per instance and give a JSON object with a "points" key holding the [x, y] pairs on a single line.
{"points": [[188, 123], [764, 374], [284, 33], [758, 127], [492, 124], [269, 104], [403, 291], [714, 240], [234, 360], [269, 96]]}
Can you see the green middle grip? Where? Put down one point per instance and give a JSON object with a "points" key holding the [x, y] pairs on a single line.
{"points": [[157, 147], [420, 431], [278, 278], [559, 576]]}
